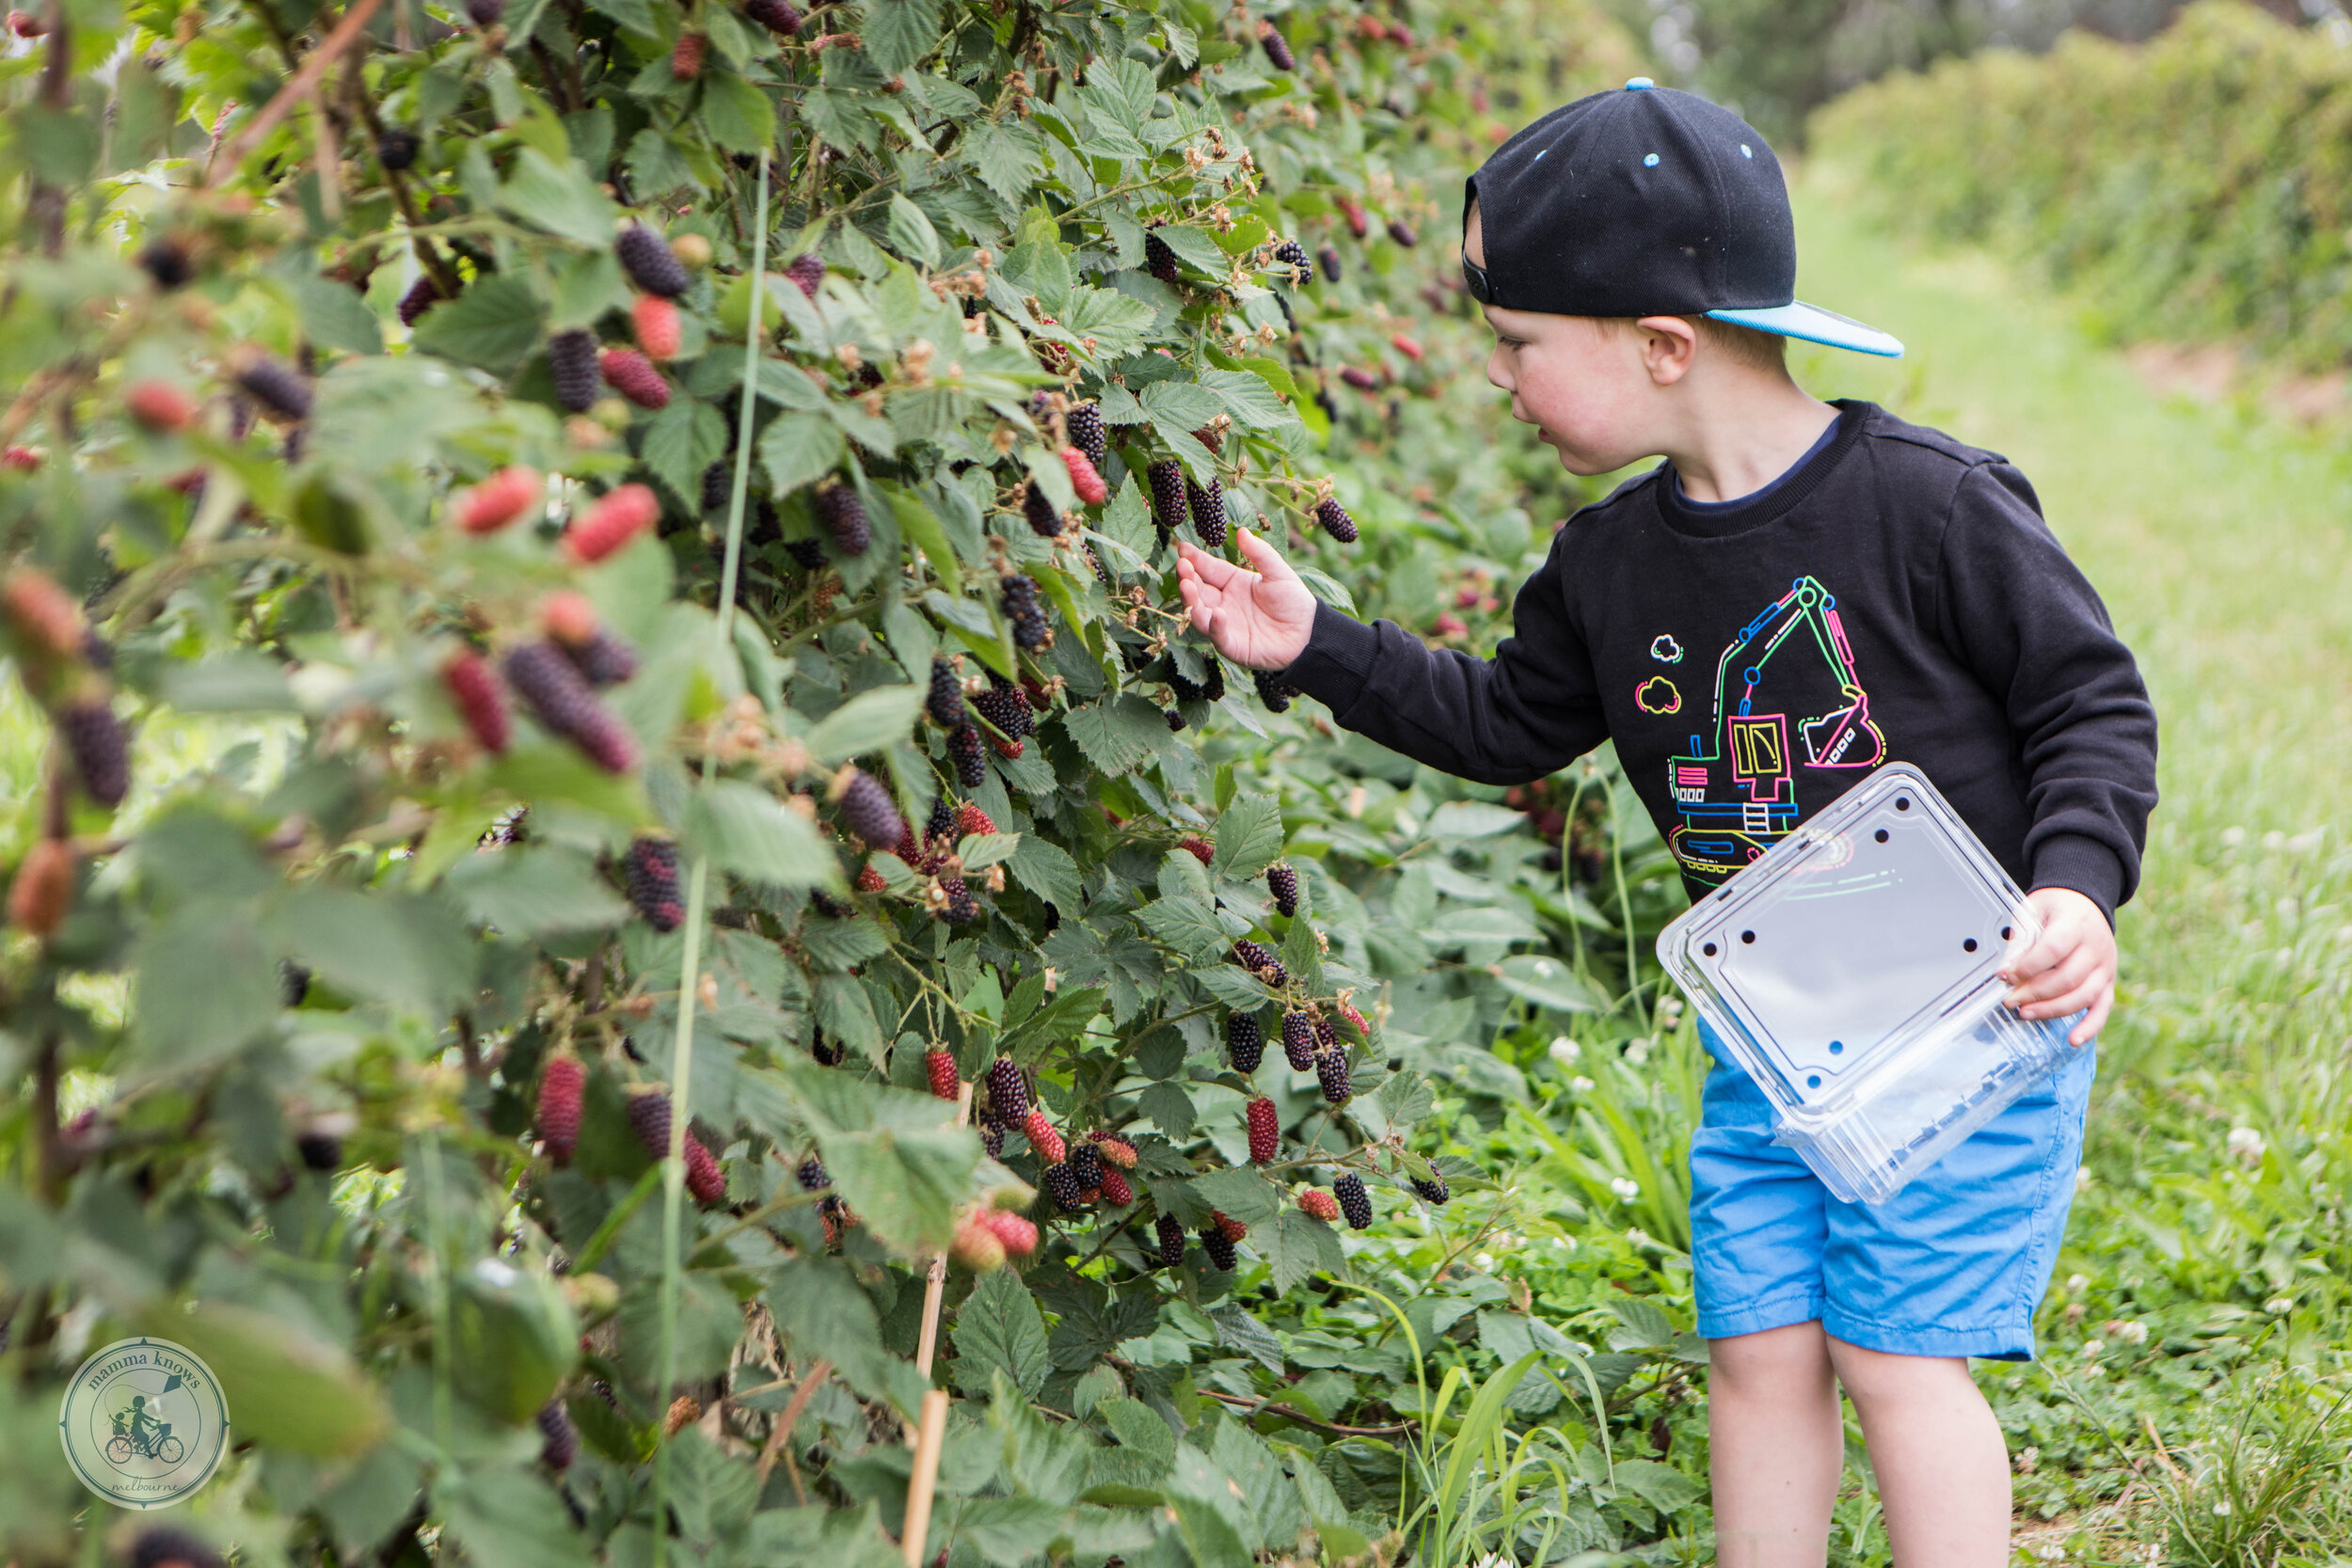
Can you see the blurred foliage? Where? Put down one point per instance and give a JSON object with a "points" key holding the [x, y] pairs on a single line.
{"points": [[2192, 188]]}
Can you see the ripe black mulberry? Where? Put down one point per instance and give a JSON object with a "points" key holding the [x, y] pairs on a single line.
{"points": [[1086, 1164], [277, 386], [1038, 508], [969, 754], [808, 553], [1170, 1233], [843, 512], [1335, 521], [1273, 690], [649, 1115], [558, 1440], [962, 909], [1158, 259], [1355, 1202], [1257, 957], [397, 147], [1219, 1247], [650, 261], [1298, 1040], [567, 705], [1008, 709], [1434, 1189], [93, 737], [1329, 257], [946, 703], [1167, 493], [1278, 48], [1029, 628], [1282, 879], [868, 811], [649, 871], [1008, 1091], [1085, 423], [807, 272], [1331, 1071], [1294, 256], [572, 362], [166, 260], [1401, 232], [422, 295], [1061, 1185], [1208, 512], [1244, 1042]]}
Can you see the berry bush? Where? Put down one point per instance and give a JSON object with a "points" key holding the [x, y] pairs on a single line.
{"points": [[633, 863]]}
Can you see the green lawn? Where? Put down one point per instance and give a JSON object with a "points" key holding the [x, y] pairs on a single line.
{"points": [[2210, 1236]]}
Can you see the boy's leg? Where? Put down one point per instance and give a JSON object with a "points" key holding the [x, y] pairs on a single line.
{"points": [[1776, 1447], [1942, 1466]]}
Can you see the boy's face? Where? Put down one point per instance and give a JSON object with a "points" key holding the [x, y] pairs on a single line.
{"points": [[1589, 386]]}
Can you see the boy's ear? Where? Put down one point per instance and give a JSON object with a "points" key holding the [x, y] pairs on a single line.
{"points": [[1669, 347]]}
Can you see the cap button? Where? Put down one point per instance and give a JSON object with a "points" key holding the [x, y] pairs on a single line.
{"points": [[1635, 84]]}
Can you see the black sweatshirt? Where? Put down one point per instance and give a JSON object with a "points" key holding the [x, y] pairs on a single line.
{"points": [[1896, 597]]}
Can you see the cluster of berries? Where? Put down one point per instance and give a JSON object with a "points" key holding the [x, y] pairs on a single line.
{"points": [[650, 1115], [557, 692], [63, 663]]}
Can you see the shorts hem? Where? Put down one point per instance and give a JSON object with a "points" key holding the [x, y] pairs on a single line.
{"points": [[1984, 1344], [1757, 1317]]}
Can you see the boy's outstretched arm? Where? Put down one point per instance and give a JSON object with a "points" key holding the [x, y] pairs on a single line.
{"points": [[1530, 710]]}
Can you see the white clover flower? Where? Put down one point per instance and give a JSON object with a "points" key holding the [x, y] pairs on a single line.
{"points": [[2289, 910], [2246, 1145], [2097, 1369], [2136, 1333], [1638, 1052], [1638, 1236], [2050, 1551], [2222, 1507], [2077, 1283], [2232, 838], [1565, 1050], [2025, 1461], [1486, 1261], [2279, 1307], [2092, 1347], [2273, 840], [2082, 1177], [1672, 1007], [1624, 1187], [1580, 1082], [1562, 1241]]}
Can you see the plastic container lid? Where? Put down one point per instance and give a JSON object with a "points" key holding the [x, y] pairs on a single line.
{"points": [[1853, 972]]}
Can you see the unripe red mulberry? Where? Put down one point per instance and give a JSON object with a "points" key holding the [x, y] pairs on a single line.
{"points": [[41, 615], [1116, 1151], [1244, 1042], [1354, 1201], [1008, 1091], [1407, 344], [659, 332], [1170, 1233], [1401, 232], [159, 405], [869, 880], [1083, 478], [1208, 512], [1278, 48], [1085, 423], [1298, 1040], [1358, 223], [976, 1245], [610, 522], [1335, 521], [560, 1086], [650, 263], [480, 701], [44, 889], [1043, 1137], [807, 271], [941, 1067], [1282, 879], [839, 508], [572, 363], [497, 500], [685, 57], [649, 872], [1265, 1131], [1039, 509], [1197, 848], [704, 1178], [971, 819], [101, 755], [566, 704], [1257, 957], [777, 16], [1360, 378], [868, 811], [1018, 1235], [558, 1439], [649, 1115], [1318, 1204], [1116, 1192], [1362, 1027], [964, 748], [631, 375]]}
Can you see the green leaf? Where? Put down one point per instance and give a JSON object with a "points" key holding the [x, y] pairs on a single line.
{"points": [[205, 986], [1196, 245], [919, 523], [242, 680], [1180, 406], [681, 441], [747, 831], [800, 449], [1047, 870], [845, 1013], [506, 1519], [335, 316], [821, 1309], [1548, 983], [558, 197], [1187, 924], [1117, 733], [1000, 1329], [1248, 837], [491, 325], [906, 1183], [737, 114], [284, 1388], [1297, 1244], [535, 891], [979, 852], [900, 32], [867, 722], [1472, 820], [910, 231], [1242, 1193], [1007, 155], [1247, 398], [406, 951]]}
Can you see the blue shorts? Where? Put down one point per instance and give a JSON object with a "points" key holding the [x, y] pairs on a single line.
{"points": [[1953, 1264]]}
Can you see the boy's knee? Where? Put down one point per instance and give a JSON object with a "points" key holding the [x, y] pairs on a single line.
{"points": [[1777, 1358], [1873, 1376]]}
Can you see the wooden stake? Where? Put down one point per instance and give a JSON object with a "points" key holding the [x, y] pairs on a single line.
{"points": [[935, 1285], [926, 1445]]}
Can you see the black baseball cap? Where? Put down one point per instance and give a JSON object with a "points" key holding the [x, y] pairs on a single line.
{"points": [[1646, 201]]}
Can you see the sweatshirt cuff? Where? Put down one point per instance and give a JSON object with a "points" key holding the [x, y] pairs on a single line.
{"points": [[1337, 662], [2084, 864]]}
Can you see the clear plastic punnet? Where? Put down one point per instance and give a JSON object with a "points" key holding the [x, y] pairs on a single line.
{"points": [[1852, 971]]}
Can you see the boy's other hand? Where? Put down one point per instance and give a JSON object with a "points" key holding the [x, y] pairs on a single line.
{"points": [[2070, 968], [1260, 619]]}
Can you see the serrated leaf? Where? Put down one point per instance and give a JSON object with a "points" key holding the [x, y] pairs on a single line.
{"points": [[910, 231], [799, 449], [867, 722], [1007, 155], [898, 33], [979, 852], [1195, 246], [535, 891], [840, 944], [1047, 870], [1249, 836], [846, 1014], [1247, 398], [411, 953], [1243, 1194], [1186, 924], [491, 325], [681, 441], [1548, 983], [1181, 406], [747, 831], [1118, 733], [737, 114], [335, 316], [1472, 820], [558, 197], [1297, 1244], [1000, 1329]]}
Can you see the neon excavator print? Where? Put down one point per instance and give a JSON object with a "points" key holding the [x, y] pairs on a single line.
{"points": [[1737, 788]]}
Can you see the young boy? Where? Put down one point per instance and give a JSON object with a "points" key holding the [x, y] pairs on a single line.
{"points": [[1856, 589]]}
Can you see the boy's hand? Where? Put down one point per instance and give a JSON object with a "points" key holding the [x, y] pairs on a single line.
{"points": [[2071, 967], [1260, 619]]}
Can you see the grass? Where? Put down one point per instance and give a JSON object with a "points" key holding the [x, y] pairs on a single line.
{"points": [[2194, 1343]]}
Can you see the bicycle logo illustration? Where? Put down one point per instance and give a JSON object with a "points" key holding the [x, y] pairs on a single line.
{"points": [[144, 1423]]}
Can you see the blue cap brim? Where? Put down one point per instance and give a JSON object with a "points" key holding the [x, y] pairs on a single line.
{"points": [[1816, 325]]}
